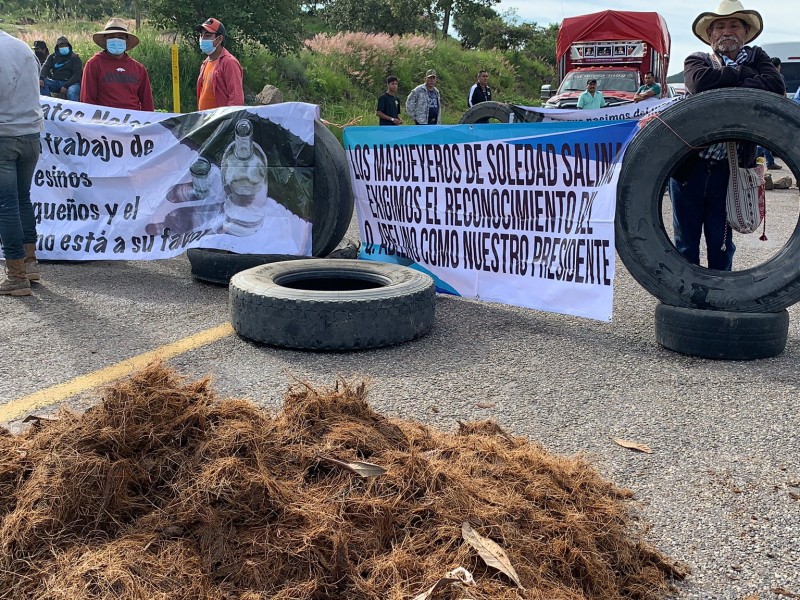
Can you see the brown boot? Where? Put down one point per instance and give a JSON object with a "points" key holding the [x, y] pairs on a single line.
{"points": [[31, 264], [16, 284]]}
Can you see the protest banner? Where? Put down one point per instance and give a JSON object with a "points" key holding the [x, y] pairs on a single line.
{"points": [[616, 112], [516, 213], [115, 184]]}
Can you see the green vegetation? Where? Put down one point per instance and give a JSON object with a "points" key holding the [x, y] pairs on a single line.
{"points": [[342, 72]]}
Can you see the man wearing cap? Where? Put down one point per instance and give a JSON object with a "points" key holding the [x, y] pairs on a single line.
{"points": [[111, 77], [41, 51], [591, 98], [220, 80], [424, 103], [62, 72], [699, 186]]}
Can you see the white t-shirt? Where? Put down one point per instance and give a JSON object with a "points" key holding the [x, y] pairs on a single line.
{"points": [[20, 112]]}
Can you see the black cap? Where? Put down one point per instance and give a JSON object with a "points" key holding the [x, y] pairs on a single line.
{"points": [[39, 44]]}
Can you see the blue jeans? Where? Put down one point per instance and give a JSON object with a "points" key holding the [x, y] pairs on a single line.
{"points": [[698, 206], [18, 158], [54, 85]]}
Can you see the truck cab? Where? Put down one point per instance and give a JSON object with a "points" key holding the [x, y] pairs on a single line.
{"points": [[617, 48], [618, 86]]}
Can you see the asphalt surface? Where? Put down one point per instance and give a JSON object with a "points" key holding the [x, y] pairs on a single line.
{"points": [[720, 492]]}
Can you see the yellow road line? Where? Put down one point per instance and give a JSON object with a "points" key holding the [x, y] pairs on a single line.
{"points": [[62, 391]]}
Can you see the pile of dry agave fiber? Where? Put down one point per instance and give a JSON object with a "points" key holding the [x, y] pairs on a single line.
{"points": [[162, 491]]}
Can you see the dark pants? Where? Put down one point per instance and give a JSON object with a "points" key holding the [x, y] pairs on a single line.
{"points": [[698, 206], [18, 158]]}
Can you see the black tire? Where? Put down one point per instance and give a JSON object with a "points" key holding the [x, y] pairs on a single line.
{"points": [[332, 208], [218, 266], [483, 112], [641, 240], [332, 304], [721, 334]]}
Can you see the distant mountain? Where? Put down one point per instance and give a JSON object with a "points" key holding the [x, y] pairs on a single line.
{"points": [[677, 78]]}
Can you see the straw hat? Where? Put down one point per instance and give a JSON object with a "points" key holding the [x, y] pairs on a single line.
{"points": [[729, 9], [115, 25]]}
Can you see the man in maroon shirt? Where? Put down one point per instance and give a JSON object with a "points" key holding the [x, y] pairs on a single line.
{"points": [[111, 77]]}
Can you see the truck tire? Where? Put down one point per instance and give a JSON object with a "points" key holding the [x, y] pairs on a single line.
{"points": [[721, 335], [641, 240], [332, 304], [218, 266], [484, 111], [333, 204]]}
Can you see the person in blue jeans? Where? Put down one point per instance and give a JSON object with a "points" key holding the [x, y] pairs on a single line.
{"points": [[765, 152], [61, 72], [698, 188], [20, 129]]}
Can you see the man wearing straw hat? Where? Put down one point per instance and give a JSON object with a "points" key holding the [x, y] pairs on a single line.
{"points": [[699, 186], [111, 77]]}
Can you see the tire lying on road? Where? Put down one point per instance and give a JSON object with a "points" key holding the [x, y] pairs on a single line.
{"points": [[721, 334], [641, 241], [331, 304], [218, 266]]}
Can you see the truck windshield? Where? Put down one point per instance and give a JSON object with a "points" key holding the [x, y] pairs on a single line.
{"points": [[622, 81], [791, 73]]}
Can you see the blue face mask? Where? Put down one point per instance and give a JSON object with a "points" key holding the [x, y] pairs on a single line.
{"points": [[63, 51], [207, 46], [116, 46]]}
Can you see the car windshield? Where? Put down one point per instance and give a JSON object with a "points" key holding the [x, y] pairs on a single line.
{"points": [[623, 81]]}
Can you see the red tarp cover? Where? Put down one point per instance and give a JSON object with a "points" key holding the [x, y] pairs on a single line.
{"points": [[614, 25]]}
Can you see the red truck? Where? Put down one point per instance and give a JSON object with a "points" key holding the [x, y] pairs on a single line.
{"points": [[614, 47]]}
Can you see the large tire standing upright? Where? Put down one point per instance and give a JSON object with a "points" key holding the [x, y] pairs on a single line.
{"points": [[333, 204], [736, 315], [331, 213], [641, 240]]}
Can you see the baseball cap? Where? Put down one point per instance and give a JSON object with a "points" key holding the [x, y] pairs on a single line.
{"points": [[211, 26], [430, 73], [39, 44]]}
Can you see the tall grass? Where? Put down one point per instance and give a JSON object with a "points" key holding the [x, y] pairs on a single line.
{"points": [[343, 73]]}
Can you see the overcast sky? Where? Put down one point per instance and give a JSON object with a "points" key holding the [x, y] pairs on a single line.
{"points": [[781, 19]]}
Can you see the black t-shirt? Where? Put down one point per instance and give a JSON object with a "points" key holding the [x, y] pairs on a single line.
{"points": [[390, 106]]}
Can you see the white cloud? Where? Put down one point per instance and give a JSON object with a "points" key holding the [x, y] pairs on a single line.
{"points": [[780, 19]]}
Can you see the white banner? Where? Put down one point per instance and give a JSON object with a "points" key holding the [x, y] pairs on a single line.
{"points": [[617, 112], [516, 213], [113, 184]]}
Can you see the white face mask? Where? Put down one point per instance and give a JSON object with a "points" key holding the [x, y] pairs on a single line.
{"points": [[116, 46]]}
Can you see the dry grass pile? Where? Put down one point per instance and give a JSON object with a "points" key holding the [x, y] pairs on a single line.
{"points": [[162, 491]]}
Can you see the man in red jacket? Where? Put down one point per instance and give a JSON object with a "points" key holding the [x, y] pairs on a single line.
{"points": [[220, 80], [111, 77]]}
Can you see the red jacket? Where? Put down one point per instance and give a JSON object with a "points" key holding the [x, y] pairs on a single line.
{"points": [[116, 82], [227, 80]]}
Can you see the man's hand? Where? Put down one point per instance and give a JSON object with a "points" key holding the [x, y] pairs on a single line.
{"points": [[63, 90]]}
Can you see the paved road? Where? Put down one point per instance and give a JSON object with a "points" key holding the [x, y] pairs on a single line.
{"points": [[718, 488]]}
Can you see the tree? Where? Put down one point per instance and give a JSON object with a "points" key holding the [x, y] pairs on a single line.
{"points": [[468, 20], [395, 17], [446, 8], [276, 24]]}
